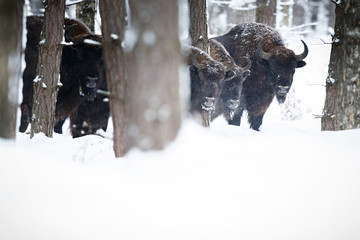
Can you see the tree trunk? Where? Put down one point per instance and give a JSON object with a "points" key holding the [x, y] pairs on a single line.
{"points": [[36, 7], [286, 13], [265, 12], [46, 82], [153, 102], [11, 19], [342, 103], [113, 27], [86, 11], [198, 24]]}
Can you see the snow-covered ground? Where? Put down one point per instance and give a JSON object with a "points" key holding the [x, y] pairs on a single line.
{"points": [[288, 181]]}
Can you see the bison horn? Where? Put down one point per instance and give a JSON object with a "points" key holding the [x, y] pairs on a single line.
{"points": [[304, 54], [247, 66], [262, 53], [195, 60], [67, 34]]}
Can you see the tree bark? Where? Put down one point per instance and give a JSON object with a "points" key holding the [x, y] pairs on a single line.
{"points": [[113, 27], [86, 11], [46, 82], [11, 19], [342, 103], [265, 12], [198, 24], [285, 19], [153, 102]]}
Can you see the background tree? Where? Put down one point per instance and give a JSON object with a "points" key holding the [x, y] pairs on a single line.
{"points": [[342, 103], [266, 12], [286, 13], [46, 83], [11, 18], [85, 12], [153, 115], [198, 24], [113, 27]]}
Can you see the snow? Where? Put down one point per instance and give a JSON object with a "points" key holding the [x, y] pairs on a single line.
{"points": [[288, 181], [92, 42]]}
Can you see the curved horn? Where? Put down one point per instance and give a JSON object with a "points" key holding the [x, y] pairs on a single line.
{"points": [[194, 59], [261, 52], [231, 65], [68, 38], [247, 66], [304, 54]]}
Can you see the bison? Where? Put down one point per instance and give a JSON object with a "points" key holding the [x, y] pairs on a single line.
{"points": [[81, 70], [272, 68], [229, 102], [207, 76]]}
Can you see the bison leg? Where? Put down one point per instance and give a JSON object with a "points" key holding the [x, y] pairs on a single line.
{"points": [[58, 126], [25, 119], [236, 119], [256, 121]]}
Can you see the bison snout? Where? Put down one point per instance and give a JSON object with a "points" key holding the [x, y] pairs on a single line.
{"points": [[283, 90], [208, 103], [233, 104], [92, 82]]}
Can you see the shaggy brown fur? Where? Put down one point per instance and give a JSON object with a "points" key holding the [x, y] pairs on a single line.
{"points": [[272, 69]]}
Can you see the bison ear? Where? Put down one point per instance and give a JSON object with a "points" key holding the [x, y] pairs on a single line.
{"points": [[300, 64]]}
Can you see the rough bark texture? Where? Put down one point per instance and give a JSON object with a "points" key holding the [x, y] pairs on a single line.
{"points": [[153, 102], [265, 12], [342, 103], [113, 27], [85, 12], [11, 17], [198, 24], [46, 83]]}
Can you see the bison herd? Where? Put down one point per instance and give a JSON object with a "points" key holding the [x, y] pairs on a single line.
{"points": [[244, 70]]}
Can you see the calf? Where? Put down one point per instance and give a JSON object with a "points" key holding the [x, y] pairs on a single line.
{"points": [[207, 76], [229, 101]]}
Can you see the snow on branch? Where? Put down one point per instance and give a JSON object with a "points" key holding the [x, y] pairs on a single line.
{"points": [[72, 2]]}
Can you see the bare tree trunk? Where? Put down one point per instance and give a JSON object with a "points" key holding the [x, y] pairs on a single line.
{"points": [[198, 24], [113, 27], [286, 13], [265, 12], [36, 7], [11, 21], [342, 103], [86, 11], [153, 102], [46, 82]]}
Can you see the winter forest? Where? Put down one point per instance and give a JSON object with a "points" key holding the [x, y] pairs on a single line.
{"points": [[179, 119]]}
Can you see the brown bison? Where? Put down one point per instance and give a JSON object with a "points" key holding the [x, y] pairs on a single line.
{"points": [[206, 76], [229, 102], [272, 68], [81, 70]]}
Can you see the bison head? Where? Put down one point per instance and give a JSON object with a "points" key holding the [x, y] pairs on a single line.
{"points": [[231, 90], [86, 59], [212, 74], [282, 63]]}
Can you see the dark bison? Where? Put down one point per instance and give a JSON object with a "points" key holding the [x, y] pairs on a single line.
{"points": [[207, 76], [229, 102], [81, 70], [272, 68]]}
